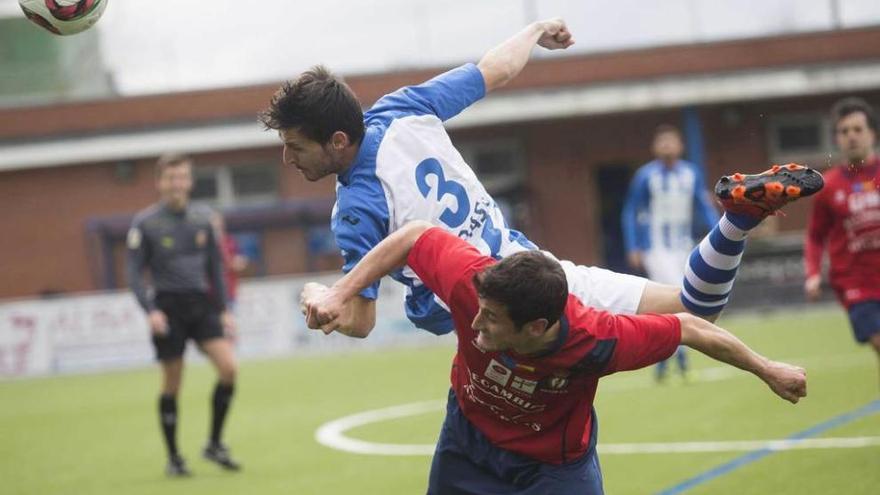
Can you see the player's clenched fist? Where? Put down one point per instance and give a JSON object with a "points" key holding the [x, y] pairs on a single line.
{"points": [[787, 381], [555, 34], [321, 306]]}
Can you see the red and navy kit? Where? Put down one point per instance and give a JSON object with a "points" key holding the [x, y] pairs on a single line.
{"points": [[536, 406], [846, 216], [229, 250]]}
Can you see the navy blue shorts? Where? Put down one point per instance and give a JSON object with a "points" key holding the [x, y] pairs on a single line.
{"points": [[865, 320], [465, 462]]}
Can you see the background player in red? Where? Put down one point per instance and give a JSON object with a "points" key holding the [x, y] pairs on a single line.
{"points": [[234, 263], [520, 415], [846, 219]]}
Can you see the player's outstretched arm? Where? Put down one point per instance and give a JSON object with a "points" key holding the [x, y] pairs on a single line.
{"points": [[327, 310], [504, 62], [785, 380]]}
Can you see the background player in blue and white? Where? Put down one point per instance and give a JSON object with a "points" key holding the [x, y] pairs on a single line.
{"points": [[396, 164], [666, 204]]}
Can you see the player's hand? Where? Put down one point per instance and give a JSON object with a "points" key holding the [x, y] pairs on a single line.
{"points": [[324, 311], [311, 292], [554, 34], [786, 381], [813, 287], [158, 323], [230, 326], [634, 259], [314, 306]]}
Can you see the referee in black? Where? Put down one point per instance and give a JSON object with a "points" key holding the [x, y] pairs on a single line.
{"points": [[174, 241]]}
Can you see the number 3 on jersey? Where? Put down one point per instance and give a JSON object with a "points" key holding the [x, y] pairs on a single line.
{"points": [[452, 218]]}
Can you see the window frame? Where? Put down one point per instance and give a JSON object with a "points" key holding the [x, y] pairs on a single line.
{"points": [[515, 175], [226, 196], [822, 153]]}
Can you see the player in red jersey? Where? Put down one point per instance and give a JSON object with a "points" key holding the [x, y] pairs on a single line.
{"points": [[520, 415], [846, 219]]}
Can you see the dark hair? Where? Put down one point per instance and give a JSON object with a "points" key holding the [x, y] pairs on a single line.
{"points": [[317, 104], [169, 160], [530, 284], [667, 129], [848, 106]]}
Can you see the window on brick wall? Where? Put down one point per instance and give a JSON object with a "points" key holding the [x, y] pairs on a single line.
{"points": [[500, 164], [236, 185], [800, 138]]}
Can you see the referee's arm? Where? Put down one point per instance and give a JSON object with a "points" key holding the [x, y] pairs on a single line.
{"points": [[138, 256]]}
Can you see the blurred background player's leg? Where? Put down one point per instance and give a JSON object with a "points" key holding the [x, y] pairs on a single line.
{"points": [[219, 351], [864, 318], [666, 267], [875, 343], [172, 371]]}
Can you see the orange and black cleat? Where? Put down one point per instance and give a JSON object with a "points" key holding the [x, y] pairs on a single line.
{"points": [[763, 194]]}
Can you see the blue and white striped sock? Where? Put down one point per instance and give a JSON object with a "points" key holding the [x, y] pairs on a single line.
{"points": [[712, 266]]}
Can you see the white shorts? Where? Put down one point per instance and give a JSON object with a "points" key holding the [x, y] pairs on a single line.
{"points": [[666, 267], [603, 289]]}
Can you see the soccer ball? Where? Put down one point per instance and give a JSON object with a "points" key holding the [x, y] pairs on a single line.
{"points": [[63, 17]]}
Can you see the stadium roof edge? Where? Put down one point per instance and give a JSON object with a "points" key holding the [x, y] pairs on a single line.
{"points": [[501, 108], [208, 106]]}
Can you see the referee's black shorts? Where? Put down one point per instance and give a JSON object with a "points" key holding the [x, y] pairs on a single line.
{"points": [[191, 315]]}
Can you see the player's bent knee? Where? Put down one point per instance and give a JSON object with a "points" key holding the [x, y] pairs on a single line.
{"points": [[227, 369], [228, 374], [171, 385]]}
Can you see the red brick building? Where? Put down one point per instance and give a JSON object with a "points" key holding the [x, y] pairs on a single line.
{"points": [[557, 147]]}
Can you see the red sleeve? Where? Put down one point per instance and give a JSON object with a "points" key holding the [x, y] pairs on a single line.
{"points": [[640, 340], [817, 232], [442, 260]]}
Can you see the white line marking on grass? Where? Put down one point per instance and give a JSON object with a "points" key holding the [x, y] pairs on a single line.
{"points": [[738, 445], [332, 434]]}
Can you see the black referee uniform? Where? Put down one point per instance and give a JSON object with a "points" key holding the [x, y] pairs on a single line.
{"points": [[181, 252]]}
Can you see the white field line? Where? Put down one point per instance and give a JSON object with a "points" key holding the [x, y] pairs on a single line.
{"points": [[332, 434], [738, 445]]}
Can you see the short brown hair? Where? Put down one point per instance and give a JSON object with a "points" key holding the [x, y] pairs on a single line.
{"points": [[667, 129], [171, 160], [317, 104], [530, 284], [848, 106]]}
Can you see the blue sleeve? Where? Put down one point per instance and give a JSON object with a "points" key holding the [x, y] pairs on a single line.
{"points": [[634, 235], [360, 221], [704, 210], [444, 96]]}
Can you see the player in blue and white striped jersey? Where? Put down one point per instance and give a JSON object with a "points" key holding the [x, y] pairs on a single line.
{"points": [[395, 164], [666, 203]]}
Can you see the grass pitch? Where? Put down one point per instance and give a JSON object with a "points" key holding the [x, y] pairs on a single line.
{"points": [[99, 434]]}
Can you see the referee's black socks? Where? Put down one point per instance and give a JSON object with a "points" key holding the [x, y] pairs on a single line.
{"points": [[221, 399], [168, 420]]}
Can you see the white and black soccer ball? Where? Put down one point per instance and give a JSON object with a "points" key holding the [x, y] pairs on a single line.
{"points": [[63, 17]]}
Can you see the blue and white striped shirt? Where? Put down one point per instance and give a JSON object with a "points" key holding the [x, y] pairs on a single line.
{"points": [[661, 206]]}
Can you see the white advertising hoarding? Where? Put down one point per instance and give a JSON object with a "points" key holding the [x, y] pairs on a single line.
{"points": [[109, 330]]}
